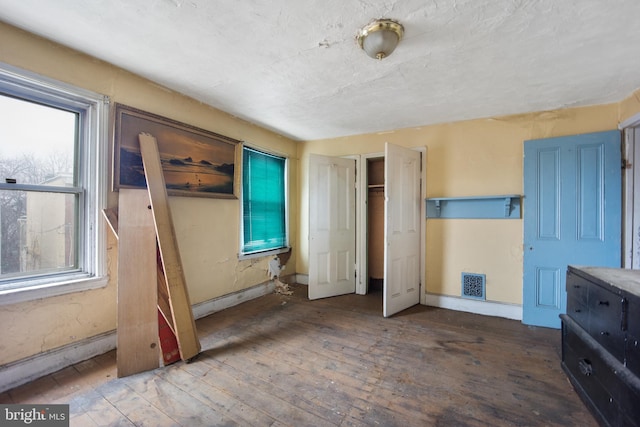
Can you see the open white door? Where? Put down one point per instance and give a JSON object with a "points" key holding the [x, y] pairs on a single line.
{"points": [[332, 228], [401, 229]]}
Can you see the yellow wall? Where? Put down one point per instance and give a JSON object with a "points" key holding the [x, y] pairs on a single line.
{"points": [[471, 158], [475, 157], [206, 229], [630, 106]]}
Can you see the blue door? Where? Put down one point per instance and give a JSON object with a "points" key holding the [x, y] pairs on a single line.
{"points": [[572, 216]]}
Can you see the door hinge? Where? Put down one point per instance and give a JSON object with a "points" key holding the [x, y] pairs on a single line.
{"points": [[626, 164]]}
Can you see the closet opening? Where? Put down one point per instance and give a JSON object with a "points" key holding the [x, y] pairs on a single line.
{"points": [[375, 225]]}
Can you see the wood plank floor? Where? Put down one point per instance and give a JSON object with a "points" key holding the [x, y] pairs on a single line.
{"points": [[283, 360]]}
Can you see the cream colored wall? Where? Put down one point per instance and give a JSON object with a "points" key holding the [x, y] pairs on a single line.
{"points": [[206, 229], [478, 157]]}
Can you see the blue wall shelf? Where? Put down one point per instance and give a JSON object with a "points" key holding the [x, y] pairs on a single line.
{"points": [[495, 207]]}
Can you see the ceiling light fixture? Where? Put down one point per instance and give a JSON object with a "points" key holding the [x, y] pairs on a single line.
{"points": [[379, 38]]}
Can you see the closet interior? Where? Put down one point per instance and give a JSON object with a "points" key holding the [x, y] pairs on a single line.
{"points": [[375, 223]]}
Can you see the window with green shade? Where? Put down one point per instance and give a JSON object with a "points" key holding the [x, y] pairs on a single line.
{"points": [[264, 204]]}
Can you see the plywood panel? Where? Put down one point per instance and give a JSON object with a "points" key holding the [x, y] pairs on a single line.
{"points": [[137, 338], [183, 320], [111, 216], [164, 304]]}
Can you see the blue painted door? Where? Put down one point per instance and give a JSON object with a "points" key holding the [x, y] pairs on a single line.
{"points": [[572, 216]]}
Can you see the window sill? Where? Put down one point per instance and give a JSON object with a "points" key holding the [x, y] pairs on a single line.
{"points": [[48, 290], [264, 253]]}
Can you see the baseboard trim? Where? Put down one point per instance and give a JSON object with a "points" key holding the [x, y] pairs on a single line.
{"points": [[214, 305], [25, 370], [22, 371], [487, 308]]}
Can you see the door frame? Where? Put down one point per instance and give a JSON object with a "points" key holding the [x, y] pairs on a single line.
{"points": [[362, 184], [630, 184], [630, 208]]}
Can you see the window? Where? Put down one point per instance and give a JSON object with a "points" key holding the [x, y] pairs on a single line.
{"points": [[52, 157], [264, 204]]}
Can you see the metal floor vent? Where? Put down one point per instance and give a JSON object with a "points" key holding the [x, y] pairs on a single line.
{"points": [[473, 286]]}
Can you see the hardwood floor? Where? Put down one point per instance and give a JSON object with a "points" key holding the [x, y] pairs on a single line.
{"points": [[283, 360]]}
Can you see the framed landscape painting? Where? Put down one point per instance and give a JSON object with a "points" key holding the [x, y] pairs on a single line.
{"points": [[195, 162]]}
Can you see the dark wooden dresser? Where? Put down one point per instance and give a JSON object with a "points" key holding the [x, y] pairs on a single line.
{"points": [[601, 342]]}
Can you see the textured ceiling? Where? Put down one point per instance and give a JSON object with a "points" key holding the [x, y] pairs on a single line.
{"points": [[294, 66]]}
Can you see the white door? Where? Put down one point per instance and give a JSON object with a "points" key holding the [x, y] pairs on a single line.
{"points": [[401, 229], [332, 228]]}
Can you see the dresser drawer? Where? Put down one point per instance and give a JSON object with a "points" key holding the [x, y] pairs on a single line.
{"points": [[578, 310], [632, 355], [577, 287], [632, 351], [610, 390], [606, 320], [633, 315], [586, 373]]}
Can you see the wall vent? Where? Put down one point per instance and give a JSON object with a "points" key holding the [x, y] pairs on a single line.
{"points": [[473, 286]]}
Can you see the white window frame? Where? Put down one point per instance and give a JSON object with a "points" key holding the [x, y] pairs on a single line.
{"points": [[270, 252], [92, 156]]}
